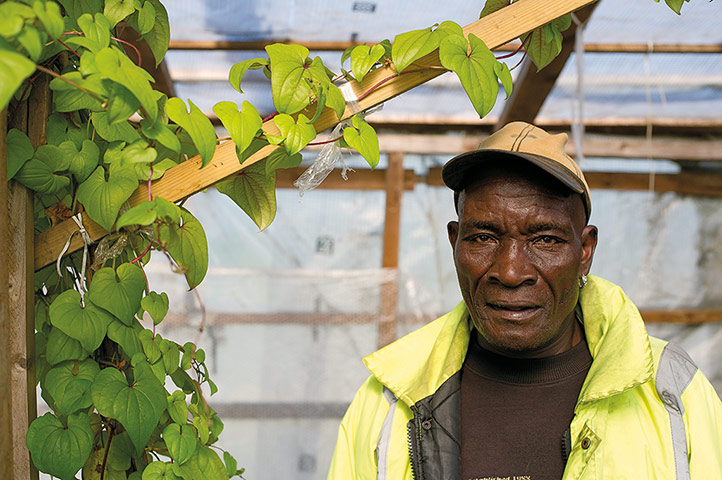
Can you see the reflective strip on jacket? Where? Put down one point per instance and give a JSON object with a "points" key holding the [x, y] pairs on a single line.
{"points": [[644, 411]]}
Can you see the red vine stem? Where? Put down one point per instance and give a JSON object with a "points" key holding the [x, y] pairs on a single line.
{"points": [[327, 141], [270, 116], [147, 249], [137, 52], [523, 44], [107, 449], [68, 47], [150, 177]]}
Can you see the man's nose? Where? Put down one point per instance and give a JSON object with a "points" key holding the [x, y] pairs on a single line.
{"points": [[512, 266]]}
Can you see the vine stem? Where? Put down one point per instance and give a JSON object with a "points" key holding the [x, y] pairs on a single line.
{"points": [[68, 47], [523, 44], [107, 449], [147, 249], [70, 82], [137, 52], [327, 141]]}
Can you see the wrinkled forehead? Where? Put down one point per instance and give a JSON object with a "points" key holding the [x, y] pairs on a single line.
{"points": [[522, 177]]}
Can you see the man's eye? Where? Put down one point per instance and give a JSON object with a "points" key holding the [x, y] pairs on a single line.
{"points": [[548, 240], [483, 238]]}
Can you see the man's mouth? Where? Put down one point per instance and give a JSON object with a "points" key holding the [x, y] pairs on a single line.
{"points": [[513, 311]]}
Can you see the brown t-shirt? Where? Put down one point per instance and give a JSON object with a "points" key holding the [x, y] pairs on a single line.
{"points": [[514, 413]]}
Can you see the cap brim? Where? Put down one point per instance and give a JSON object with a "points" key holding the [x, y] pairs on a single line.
{"points": [[455, 172]]}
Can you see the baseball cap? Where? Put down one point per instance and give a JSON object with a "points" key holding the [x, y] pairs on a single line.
{"points": [[527, 142]]}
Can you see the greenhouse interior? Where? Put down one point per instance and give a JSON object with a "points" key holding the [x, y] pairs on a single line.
{"points": [[286, 314]]}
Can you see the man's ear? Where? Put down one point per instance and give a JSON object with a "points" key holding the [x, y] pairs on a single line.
{"points": [[452, 228], [589, 244]]}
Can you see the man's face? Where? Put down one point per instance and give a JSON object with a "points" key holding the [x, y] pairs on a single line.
{"points": [[519, 249]]}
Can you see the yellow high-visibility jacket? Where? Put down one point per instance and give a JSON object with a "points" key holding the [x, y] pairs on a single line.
{"points": [[644, 411]]}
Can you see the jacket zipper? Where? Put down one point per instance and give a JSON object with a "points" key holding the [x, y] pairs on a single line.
{"points": [[415, 472]]}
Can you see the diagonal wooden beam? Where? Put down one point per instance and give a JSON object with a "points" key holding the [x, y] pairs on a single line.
{"points": [[532, 87], [186, 179]]}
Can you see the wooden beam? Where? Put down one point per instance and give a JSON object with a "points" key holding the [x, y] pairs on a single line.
{"points": [[532, 87], [390, 257], [594, 146], [185, 179], [686, 183], [687, 316], [260, 45], [673, 126]]}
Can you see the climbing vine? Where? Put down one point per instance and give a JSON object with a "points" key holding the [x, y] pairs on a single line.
{"points": [[125, 402]]}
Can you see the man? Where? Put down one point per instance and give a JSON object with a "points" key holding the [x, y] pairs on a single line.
{"points": [[542, 371]]}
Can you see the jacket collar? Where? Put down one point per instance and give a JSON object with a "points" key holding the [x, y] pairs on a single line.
{"points": [[416, 365]]}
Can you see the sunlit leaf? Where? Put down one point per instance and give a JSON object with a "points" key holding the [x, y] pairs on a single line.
{"points": [[61, 347], [238, 71], [289, 78], [181, 441], [410, 46], [156, 304], [116, 66], [363, 138], [242, 126], [159, 36], [363, 57], [475, 69], [14, 69], [492, 6], [83, 161], [117, 10], [196, 124], [546, 41], [296, 134]]}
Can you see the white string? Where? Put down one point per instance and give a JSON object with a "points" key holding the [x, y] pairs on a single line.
{"points": [[578, 103], [78, 218]]}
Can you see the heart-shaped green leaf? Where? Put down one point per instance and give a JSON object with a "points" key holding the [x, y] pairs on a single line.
{"points": [[57, 449], [81, 162], [279, 158], [171, 355], [50, 16], [32, 40], [137, 406], [205, 464], [254, 191], [61, 347], [411, 46], [296, 133], [235, 76], [159, 35], [546, 41], [475, 69], [159, 131], [502, 71], [138, 152], [117, 10], [126, 336], [146, 18], [147, 212], [363, 138], [177, 408], [188, 246], [39, 176], [156, 305], [14, 69], [196, 124], [118, 292], [121, 104], [242, 126], [289, 77], [142, 170], [20, 150], [492, 6], [160, 471], [88, 324], [102, 199], [116, 66], [122, 131], [363, 57], [69, 385], [181, 441], [96, 32], [151, 345]]}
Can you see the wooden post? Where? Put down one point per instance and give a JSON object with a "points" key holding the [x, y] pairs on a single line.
{"points": [[390, 259], [17, 323]]}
